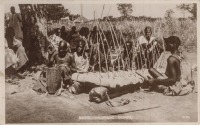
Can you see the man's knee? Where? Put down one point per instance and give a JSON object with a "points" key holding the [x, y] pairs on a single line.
{"points": [[61, 68]]}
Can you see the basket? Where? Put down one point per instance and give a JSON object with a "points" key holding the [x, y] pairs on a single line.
{"points": [[53, 79]]}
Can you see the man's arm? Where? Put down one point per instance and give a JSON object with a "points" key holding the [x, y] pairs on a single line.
{"points": [[53, 60], [19, 18], [73, 64], [171, 80], [144, 45]]}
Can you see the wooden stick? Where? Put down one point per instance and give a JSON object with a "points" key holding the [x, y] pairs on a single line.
{"points": [[141, 76], [126, 47], [102, 10], [135, 110], [104, 53], [118, 46], [113, 42], [141, 58], [107, 45]]}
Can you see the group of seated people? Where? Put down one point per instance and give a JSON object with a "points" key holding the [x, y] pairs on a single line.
{"points": [[15, 55], [84, 52], [94, 57]]}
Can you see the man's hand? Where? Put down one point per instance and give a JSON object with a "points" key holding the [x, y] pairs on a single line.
{"points": [[151, 81], [81, 71], [162, 77]]}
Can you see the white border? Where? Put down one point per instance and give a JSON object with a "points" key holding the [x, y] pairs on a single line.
{"points": [[2, 65]]}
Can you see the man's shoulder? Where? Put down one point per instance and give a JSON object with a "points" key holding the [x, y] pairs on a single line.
{"points": [[74, 54], [67, 56], [141, 37], [15, 14], [174, 58], [152, 38], [142, 40], [55, 53]]}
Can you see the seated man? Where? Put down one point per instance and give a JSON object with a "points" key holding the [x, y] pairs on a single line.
{"points": [[58, 32], [65, 62], [173, 70], [63, 33], [21, 55], [148, 50], [73, 33], [81, 58], [99, 58], [94, 35], [72, 38], [15, 62], [84, 33], [127, 55], [10, 57], [61, 65], [10, 60]]}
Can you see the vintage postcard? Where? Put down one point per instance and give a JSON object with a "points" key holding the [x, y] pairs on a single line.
{"points": [[99, 61]]}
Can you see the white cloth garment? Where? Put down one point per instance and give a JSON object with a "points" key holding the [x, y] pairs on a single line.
{"points": [[81, 63], [143, 40], [10, 57]]}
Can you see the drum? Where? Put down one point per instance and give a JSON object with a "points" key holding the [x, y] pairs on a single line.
{"points": [[53, 79]]}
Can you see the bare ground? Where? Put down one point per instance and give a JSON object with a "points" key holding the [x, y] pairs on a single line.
{"points": [[23, 105]]}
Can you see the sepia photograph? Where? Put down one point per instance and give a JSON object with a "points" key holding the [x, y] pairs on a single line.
{"points": [[131, 62]]}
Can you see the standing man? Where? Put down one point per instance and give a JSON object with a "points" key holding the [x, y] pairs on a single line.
{"points": [[148, 50], [15, 23]]}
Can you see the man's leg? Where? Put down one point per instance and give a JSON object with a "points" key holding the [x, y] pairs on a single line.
{"points": [[66, 75]]}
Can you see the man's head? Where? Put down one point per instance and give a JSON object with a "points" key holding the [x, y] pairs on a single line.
{"points": [[148, 32], [28, 8], [128, 45], [95, 29], [12, 9], [62, 48], [172, 43], [73, 28], [62, 29], [58, 33], [84, 31]]}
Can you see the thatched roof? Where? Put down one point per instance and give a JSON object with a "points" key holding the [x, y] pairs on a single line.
{"points": [[81, 19]]}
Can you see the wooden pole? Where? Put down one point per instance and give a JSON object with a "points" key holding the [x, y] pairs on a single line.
{"points": [[81, 10], [102, 10], [118, 113]]}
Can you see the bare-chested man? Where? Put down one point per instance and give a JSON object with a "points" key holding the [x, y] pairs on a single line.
{"points": [[173, 72], [65, 62]]}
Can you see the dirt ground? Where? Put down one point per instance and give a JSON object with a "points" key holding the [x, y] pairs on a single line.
{"points": [[23, 105]]}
